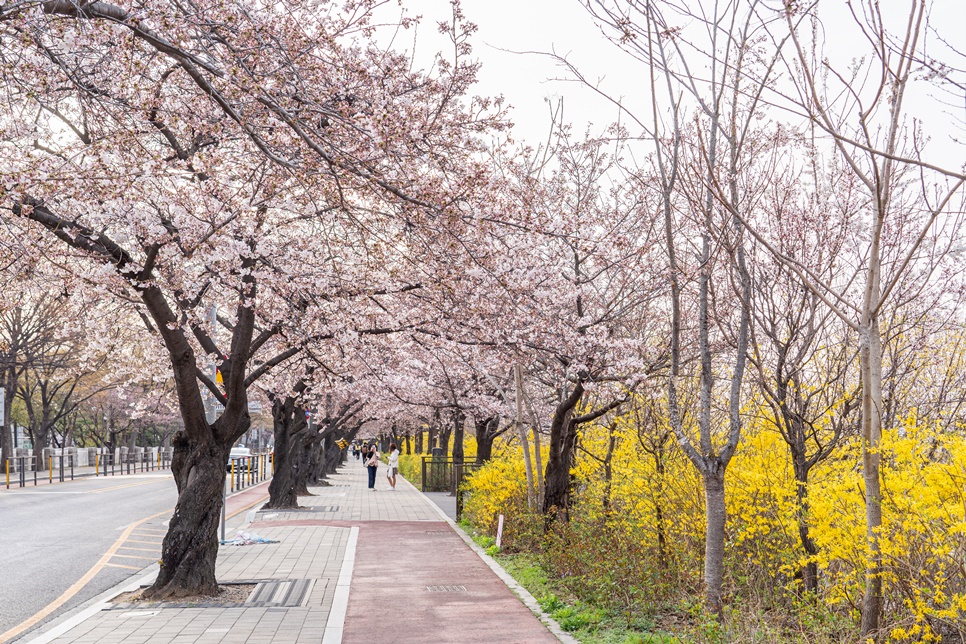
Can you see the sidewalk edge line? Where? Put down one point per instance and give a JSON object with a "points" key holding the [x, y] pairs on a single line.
{"points": [[335, 624], [528, 600]]}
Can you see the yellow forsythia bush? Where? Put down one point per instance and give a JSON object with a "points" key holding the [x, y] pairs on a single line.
{"points": [[656, 499], [922, 537], [410, 467], [500, 487]]}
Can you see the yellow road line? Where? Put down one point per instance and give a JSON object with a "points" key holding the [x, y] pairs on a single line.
{"points": [[121, 487], [79, 584], [140, 549], [114, 565], [153, 543], [137, 557], [100, 565]]}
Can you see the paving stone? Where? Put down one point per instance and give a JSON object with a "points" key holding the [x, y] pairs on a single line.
{"points": [[403, 548]]}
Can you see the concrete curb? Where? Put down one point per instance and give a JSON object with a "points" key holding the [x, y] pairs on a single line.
{"points": [[57, 626], [335, 625], [82, 613], [529, 600]]}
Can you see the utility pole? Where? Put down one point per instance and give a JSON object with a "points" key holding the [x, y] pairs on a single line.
{"points": [[210, 401]]}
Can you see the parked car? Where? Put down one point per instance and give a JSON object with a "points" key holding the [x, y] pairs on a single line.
{"points": [[241, 457]]}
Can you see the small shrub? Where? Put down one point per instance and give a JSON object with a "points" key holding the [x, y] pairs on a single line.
{"points": [[550, 603]]}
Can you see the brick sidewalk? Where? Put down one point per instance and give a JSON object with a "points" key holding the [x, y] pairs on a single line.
{"points": [[352, 566]]}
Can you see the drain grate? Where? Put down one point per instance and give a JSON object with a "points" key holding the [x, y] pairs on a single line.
{"points": [[438, 533], [283, 593], [446, 589]]}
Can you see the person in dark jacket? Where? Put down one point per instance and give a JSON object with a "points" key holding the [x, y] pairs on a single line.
{"points": [[372, 463]]}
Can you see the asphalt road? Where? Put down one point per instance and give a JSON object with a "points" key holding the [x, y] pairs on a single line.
{"points": [[52, 536]]}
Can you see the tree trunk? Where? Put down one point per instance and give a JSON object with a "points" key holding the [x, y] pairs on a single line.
{"points": [[716, 515], [485, 435], [444, 435], [191, 545], [459, 424], [556, 500], [281, 491], [302, 463], [419, 441], [10, 382], [870, 356], [522, 433], [40, 443], [538, 465], [314, 452], [809, 571], [6, 432], [318, 455]]}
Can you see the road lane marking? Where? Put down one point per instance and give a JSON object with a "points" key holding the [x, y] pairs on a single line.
{"points": [[140, 549], [101, 564], [79, 584], [153, 543], [114, 565], [120, 487], [13, 492], [135, 557]]}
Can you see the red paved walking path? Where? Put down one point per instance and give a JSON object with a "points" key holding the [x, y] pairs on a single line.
{"points": [[398, 562]]}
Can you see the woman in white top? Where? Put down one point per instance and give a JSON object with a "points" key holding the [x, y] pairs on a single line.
{"points": [[393, 468]]}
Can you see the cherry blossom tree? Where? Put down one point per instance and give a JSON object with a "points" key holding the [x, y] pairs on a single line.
{"points": [[187, 185]]}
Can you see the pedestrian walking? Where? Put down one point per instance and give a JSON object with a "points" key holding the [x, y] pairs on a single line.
{"points": [[393, 468], [372, 463]]}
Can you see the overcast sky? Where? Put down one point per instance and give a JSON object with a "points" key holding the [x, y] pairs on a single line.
{"points": [[524, 79], [565, 27]]}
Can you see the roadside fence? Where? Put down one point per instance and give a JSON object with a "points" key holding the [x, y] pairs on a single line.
{"points": [[249, 470], [68, 464], [446, 474]]}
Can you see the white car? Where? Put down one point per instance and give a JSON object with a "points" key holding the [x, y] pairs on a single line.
{"points": [[241, 456]]}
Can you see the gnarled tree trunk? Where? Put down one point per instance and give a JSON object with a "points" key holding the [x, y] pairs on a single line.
{"points": [[191, 544], [282, 489]]}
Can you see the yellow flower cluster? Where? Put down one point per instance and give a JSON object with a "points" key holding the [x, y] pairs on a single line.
{"points": [[636, 477]]}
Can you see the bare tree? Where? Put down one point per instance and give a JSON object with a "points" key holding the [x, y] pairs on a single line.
{"points": [[911, 218]]}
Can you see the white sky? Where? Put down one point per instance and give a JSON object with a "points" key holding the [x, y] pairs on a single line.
{"points": [[564, 26]]}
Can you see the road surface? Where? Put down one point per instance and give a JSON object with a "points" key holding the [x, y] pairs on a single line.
{"points": [[79, 537]]}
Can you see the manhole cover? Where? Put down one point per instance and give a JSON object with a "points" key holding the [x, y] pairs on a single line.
{"points": [[446, 589]]}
